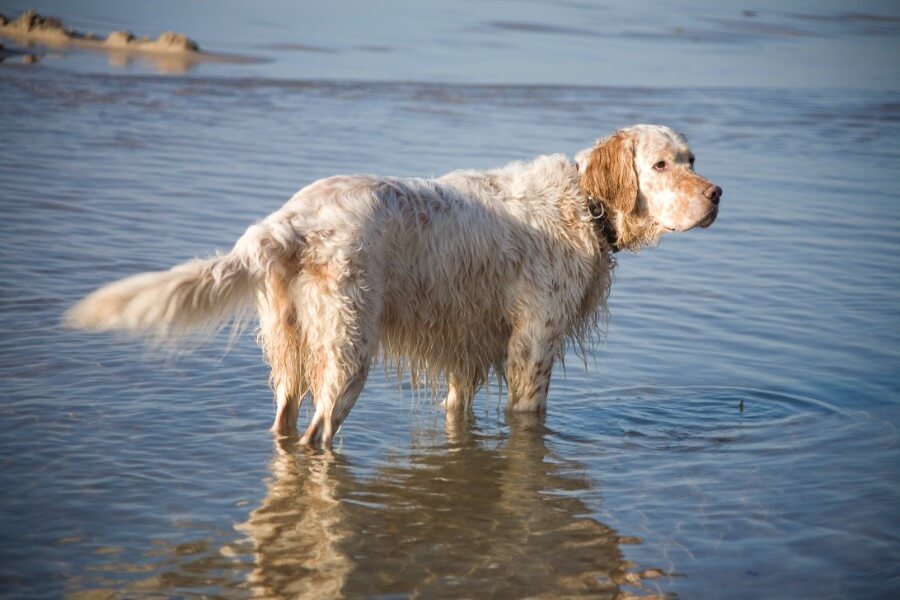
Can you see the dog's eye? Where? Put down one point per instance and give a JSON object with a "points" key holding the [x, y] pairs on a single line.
{"points": [[660, 166]]}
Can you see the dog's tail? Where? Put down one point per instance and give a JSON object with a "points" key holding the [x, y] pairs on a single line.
{"points": [[196, 296]]}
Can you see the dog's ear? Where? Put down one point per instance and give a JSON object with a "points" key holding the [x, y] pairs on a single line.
{"points": [[582, 158], [609, 174]]}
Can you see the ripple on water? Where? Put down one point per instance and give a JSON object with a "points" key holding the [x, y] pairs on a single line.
{"points": [[687, 418], [695, 418], [733, 478]]}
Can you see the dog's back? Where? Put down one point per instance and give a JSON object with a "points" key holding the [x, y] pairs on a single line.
{"points": [[443, 265]]}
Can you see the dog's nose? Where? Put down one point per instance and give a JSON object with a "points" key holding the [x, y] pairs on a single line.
{"points": [[714, 193]]}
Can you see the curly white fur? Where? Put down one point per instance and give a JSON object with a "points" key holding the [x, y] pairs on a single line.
{"points": [[451, 278]]}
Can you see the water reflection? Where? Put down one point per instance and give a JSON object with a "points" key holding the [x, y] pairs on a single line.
{"points": [[474, 515], [297, 529], [162, 63]]}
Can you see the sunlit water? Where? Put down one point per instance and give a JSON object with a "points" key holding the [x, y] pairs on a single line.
{"points": [[734, 436]]}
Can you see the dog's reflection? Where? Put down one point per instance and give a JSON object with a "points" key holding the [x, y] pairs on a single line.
{"points": [[297, 530], [476, 516]]}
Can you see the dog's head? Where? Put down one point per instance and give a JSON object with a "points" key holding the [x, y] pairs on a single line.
{"points": [[644, 174]]}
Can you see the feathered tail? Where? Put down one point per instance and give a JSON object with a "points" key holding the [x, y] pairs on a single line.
{"points": [[200, 295]]}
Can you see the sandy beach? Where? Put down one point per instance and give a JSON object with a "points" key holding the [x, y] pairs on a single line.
{"points": [[172, 52]]}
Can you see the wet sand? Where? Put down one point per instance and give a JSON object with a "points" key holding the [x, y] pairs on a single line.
{"points": [[176, 52]]}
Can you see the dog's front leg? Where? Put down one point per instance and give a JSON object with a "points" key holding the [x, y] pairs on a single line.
{"points": [[529, 362]]}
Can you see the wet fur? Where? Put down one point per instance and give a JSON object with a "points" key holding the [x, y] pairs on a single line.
{"points": [[450, 279]]}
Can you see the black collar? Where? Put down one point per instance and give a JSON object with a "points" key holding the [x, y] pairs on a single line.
{"points": [[603, 223]]}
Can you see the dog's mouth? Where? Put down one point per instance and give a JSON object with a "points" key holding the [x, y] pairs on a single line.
{"points": [[709, 219]]}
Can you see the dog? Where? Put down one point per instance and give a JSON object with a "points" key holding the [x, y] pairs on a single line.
{"points": [[449, 279]]}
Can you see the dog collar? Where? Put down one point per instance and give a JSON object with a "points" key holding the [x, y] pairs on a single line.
{"points": [[603, 223]]}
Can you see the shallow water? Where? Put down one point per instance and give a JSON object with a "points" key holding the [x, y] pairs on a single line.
{"points": [[671, 43], [735, 435]]}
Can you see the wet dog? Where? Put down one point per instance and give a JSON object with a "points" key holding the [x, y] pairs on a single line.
{"points": [[449, 278]]}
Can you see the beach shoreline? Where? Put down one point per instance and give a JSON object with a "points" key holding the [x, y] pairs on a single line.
{"points": [[32, 29]]}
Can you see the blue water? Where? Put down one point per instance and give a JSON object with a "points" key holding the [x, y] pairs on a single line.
{"points": [[735, 435]]}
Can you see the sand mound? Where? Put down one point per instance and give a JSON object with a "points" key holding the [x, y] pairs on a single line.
{"points": [[177, 41], [32, 27], [171, 52]]}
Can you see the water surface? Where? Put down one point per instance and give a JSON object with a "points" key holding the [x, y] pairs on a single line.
{"points": [[735, 434]]}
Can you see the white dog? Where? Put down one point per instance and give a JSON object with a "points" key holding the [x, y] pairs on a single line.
{"points": [[450, 277]]}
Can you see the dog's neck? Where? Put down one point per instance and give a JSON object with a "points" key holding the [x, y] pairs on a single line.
{"points": [[601, 215], [603, 223]]}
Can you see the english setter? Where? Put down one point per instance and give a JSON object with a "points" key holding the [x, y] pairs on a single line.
{"points": [[451, 278]]}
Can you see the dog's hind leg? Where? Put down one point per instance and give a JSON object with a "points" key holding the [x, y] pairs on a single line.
{"points": [[341, 343], [335, 397], [282, 342], [287, 407]]}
